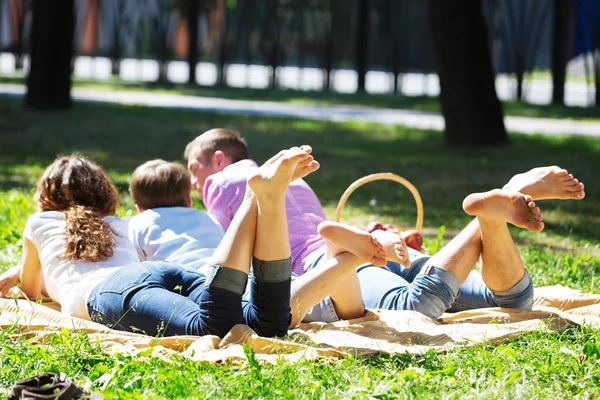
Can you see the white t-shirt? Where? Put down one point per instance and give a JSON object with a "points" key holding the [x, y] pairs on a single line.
{"points": [[180, 235], [70, 282]]}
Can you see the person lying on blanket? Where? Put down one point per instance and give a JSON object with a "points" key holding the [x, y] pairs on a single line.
{"points": [[219, 162], [167, 228], [78, 252]]}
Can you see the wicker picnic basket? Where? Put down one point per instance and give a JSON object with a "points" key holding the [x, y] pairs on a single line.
{"points": [[378, 177]]}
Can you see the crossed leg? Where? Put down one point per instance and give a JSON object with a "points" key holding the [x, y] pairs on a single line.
{"points": [[335, 276], [502, 267], [258, 236]]}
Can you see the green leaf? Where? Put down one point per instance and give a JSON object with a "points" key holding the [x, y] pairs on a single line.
{"points": [[512, 377]]}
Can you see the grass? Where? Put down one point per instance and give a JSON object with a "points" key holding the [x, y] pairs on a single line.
{"points": [[537, 365], [416, 103]]}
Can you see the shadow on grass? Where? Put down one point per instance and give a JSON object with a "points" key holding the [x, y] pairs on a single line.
{"points": [[120, 138]]}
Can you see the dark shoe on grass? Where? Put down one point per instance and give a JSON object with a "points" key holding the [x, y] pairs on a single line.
{"points": [[45, 386]]}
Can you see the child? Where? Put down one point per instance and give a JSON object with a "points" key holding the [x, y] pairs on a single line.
{"points": [[168, 229]]}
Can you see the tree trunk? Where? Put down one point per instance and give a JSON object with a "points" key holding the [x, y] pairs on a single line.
{"points": [[520, 76], [470, 106], [362, 41], [329, 48], [221, 70], [561, 36], [192, 18], [597, 57], [51, 50], [274, 39], [115, 59]]}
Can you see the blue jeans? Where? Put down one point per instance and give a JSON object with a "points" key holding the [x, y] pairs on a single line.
{"points": [[433, 290], [160, 298]]}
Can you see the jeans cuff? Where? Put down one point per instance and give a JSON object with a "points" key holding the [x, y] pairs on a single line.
{"points": [[442, 274], [272, 271], [228, 279], [518, 288]]}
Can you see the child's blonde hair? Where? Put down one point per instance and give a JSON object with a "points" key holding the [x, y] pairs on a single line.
{"points": [[158, 183]]}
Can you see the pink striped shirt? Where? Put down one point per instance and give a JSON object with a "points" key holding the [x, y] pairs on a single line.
{"points": [[224, 193]]}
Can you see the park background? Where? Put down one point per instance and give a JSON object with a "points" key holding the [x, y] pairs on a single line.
{"points": [[406, 86]]}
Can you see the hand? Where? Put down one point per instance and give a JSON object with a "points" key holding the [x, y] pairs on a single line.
{"points": [[9, 280]]}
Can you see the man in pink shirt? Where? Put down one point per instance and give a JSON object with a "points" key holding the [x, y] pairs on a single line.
{"points": [[221, 182], [219, 163]]}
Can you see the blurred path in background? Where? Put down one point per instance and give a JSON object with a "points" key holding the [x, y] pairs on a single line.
{"points": [[386, 116]]}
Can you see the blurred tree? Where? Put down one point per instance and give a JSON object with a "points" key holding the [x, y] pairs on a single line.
{"points": [[596, 53], [561, 38], [51, 50], [116, 10], [524, 23], [191, 10], [362, 40], [272, 31], [470, 106], [17, 13], [328, 42]]}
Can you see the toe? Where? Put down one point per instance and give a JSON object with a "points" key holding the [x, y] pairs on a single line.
{"points": [[571, 182], [535, 226], [306, 148], [560, 171], [575, 188]]}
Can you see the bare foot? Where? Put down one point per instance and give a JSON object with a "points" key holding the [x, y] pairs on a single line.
{"points": [[271, 180], [504, 206], [304, 168], [394, 246], [547, 183], [354, 240]]}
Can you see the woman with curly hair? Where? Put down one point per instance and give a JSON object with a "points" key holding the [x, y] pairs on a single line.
{"points": [[77, 251]]}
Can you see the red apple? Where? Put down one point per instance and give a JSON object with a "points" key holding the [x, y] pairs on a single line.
{"points": [[413, 239], [375, 226], [391, 228]]}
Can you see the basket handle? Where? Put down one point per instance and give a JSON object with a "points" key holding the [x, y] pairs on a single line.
{"points": [[378, 177]]}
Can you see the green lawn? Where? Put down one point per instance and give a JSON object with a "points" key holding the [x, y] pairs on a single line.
{"points": [[537, 365], [417, 103]]}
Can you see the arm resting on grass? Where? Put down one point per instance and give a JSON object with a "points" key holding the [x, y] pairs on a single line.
{"points": [[32, 280], [9, 280]]}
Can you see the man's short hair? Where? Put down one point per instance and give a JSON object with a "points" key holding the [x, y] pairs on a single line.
{"points": [[228, 141], [159, 183]]}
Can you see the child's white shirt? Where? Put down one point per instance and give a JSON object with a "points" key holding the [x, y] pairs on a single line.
{"points": [[68, 282], [180, 235]]}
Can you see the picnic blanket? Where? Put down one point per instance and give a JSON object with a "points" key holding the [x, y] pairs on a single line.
{"points": [[379, 331]]}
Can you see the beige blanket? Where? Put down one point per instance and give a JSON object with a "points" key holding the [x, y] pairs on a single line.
{"points": [[378, 332]]}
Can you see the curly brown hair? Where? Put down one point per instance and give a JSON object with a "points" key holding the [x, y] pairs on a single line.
{"points": [[83, 192]]}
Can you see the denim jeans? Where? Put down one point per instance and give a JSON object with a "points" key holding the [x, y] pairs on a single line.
{"points": [[160, 298], [433, 290]]}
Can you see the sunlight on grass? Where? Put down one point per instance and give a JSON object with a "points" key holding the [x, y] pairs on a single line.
{"points": [[537, 365]]}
